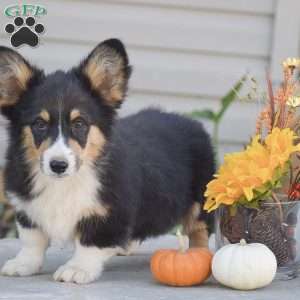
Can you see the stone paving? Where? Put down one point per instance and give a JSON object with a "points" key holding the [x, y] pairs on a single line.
{"points": [[125, 278]]}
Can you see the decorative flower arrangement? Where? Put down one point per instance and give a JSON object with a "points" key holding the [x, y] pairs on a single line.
{"points": [[252, 175], [258, 189]]}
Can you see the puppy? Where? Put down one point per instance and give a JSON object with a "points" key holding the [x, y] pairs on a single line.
{"points": [[76, 173]]}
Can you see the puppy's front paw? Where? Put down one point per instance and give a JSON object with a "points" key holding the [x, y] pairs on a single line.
{"points": [[76, 274], [20, 267]]}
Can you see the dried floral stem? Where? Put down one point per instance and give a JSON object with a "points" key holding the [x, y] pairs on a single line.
{"points": [[291, 181], [271, 98], [277, 201], [289, 118]]}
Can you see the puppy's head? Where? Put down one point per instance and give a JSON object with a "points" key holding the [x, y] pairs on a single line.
{"points": [[63, 120]]}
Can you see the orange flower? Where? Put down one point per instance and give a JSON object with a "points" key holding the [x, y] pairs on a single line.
{"points": [[246, 174], [280, 144]]}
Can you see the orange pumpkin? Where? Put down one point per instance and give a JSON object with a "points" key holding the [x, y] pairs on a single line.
{"points": [[181, 268]]}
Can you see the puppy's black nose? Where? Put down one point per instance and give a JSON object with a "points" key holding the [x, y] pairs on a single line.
{"points": [[58, 166]]}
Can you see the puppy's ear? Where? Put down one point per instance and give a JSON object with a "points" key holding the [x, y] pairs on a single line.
{"points": [[15, 76], [107, 71]]}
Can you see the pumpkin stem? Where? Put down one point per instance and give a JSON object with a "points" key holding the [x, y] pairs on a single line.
{"points": [[243, 242], [182, 245]]}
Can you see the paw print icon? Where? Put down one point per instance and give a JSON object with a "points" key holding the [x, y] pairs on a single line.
{"points": [[24, 31]]}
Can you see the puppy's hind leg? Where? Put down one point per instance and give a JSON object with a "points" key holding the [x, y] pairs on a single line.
{"points": [[130, 248], [195, 229]]}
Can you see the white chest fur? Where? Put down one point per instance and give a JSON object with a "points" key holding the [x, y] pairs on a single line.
{"points": [[61, 203]]}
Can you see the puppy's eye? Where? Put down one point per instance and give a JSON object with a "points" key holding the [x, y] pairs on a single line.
{"points": [[40, 125], [78, 125]]}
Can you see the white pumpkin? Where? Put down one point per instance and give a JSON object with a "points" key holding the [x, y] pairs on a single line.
{"points": [[244, 266]]}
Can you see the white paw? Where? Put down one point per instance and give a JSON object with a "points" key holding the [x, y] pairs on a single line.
{"points": [[20, 267], [75, 274]]}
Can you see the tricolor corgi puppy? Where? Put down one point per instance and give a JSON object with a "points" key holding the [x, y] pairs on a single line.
{"points": [[74, 172]]}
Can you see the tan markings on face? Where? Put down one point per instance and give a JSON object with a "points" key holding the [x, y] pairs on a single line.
{"points": [[45, 115], [75, 113], [33, 153], [94, 145], [14, 77]]}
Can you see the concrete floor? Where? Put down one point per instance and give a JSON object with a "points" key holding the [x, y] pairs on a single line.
{"points": [[125, 278]]}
